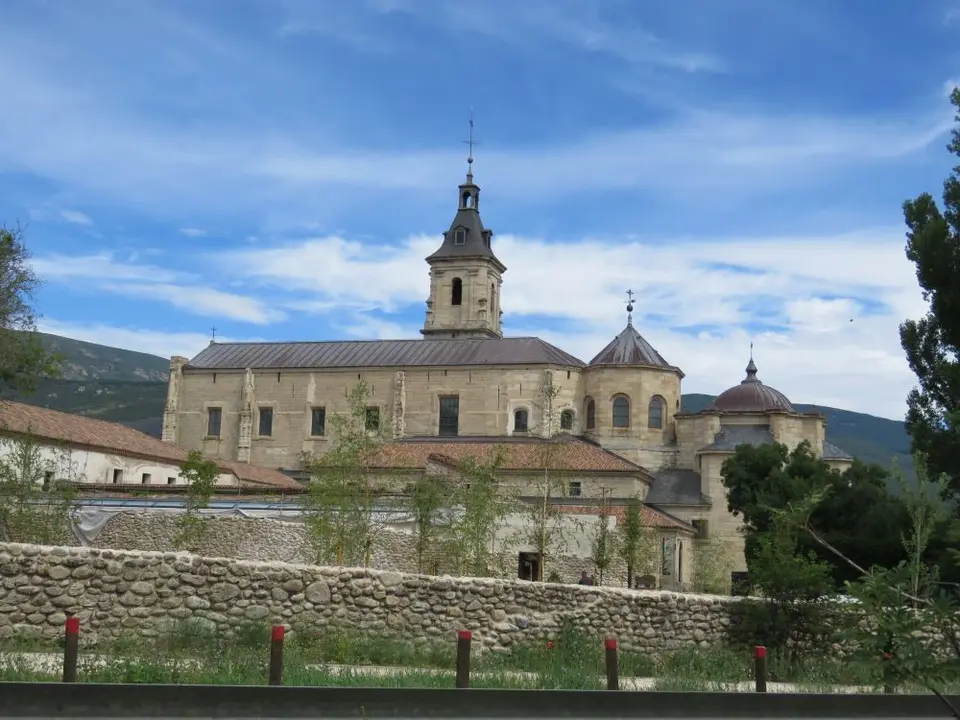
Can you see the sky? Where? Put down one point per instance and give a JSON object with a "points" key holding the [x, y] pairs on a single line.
{"points": [[279, 170]]}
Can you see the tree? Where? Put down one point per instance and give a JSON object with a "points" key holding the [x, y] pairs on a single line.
{"points": [[338, 509], [712, 564], [932, 343], [603, 545], [635, 543], [23, 358], [481, 505], [903, 603], [546, 531], [858, 514], [429, 496], [201, 475], [36, 491]]}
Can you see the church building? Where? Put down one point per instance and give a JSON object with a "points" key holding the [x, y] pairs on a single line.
{"points": [[464, 385]]}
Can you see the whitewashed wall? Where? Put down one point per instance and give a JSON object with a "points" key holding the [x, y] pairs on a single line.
{"points": [[93, 467]]}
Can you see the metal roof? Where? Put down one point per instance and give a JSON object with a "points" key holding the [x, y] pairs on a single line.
{"points": [[476, 240], [630, 348], [673, 486], [832, 452], [425, 352]]}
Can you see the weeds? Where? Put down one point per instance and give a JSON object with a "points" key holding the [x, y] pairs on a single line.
{"points": [[192, 653]]}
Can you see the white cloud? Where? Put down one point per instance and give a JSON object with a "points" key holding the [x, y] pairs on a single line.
{"points": [[695, 301], [154, 342], [98, 266], [97, 143], [102, 272], [76, 217], [203, 301], [193, 232], [528, 25]]}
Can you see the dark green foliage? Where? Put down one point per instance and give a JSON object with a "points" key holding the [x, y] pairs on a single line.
{"points": [[23, 357], [932, 342], [857, 513]]}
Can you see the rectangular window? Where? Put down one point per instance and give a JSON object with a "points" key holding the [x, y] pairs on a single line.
{"points": [[318, 421], [265, 426], [450, 416], [171, 481], [47, 479], [574, 489], [372, 419], [145, 479], [117, 476], [214, 418]]}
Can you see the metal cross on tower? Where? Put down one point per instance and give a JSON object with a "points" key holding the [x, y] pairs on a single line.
{"points": [[470, 142]]}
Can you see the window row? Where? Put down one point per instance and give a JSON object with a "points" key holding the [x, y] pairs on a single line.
{"points": [[145, 478], [448, 426], [318, 421], [620, 412]]}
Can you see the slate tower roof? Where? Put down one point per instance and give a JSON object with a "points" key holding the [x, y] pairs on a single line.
{"points": [[467, 237], [630, 348]]}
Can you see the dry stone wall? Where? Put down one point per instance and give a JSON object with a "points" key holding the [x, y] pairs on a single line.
{"points": [[247, 538], [119, 593]]}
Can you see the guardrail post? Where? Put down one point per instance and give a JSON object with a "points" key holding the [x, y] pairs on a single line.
{"points": [[760, 667], [613, 664], [276, 655], [464, 637], [71, 647]]}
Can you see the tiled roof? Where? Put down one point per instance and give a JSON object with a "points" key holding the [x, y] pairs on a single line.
{"points": [[425, 352], [630, 348], [733, 435], [650, 517], [115, 438], [571, 455], [832, 452], [676, 487]]}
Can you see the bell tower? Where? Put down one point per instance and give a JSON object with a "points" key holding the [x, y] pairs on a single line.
{"points": [[465, 275]]}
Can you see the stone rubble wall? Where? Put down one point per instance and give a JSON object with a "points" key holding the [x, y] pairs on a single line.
{"points": [[118, 593], [268, 539]]}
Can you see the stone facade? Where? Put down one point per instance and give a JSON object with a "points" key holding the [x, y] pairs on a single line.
{"points": [[394, 548], [120, 593], [627, 399]]}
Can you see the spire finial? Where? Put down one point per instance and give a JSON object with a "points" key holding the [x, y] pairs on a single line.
{"points": [[630, 308], [213, 335], [751, 369], [470, 142]]}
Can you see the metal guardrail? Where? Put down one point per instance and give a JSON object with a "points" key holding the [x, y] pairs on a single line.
{"points": [[82, 700]]}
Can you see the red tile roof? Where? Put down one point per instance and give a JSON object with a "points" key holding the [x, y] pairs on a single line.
{"points": [[19, 418], [650, 517], [568, 455]]}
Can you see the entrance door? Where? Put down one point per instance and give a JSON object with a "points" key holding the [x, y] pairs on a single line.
{"points": [[528, 566]]}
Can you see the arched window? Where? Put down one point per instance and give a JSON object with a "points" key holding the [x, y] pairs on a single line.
{"points": [[655, 413], [456, 296], [520, 421], [621, 412], [591, 412], [566, 420]]}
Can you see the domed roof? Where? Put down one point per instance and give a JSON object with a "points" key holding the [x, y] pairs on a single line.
{"points": [[751, 395]]}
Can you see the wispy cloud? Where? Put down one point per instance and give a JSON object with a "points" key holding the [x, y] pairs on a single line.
{"points": [[154, 342], [193, 232], [106, 274], [76, 217]]}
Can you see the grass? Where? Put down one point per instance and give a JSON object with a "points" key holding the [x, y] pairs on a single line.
{"points": [[191, 654]]}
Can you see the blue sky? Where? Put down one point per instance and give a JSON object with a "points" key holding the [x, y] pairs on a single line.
{"points": [[280, 168]]}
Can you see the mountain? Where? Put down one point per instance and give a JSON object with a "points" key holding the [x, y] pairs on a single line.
{"points": [[130, 388]]}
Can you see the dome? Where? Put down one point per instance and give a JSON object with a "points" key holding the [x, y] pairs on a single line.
{"points": [[751, 395]]}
